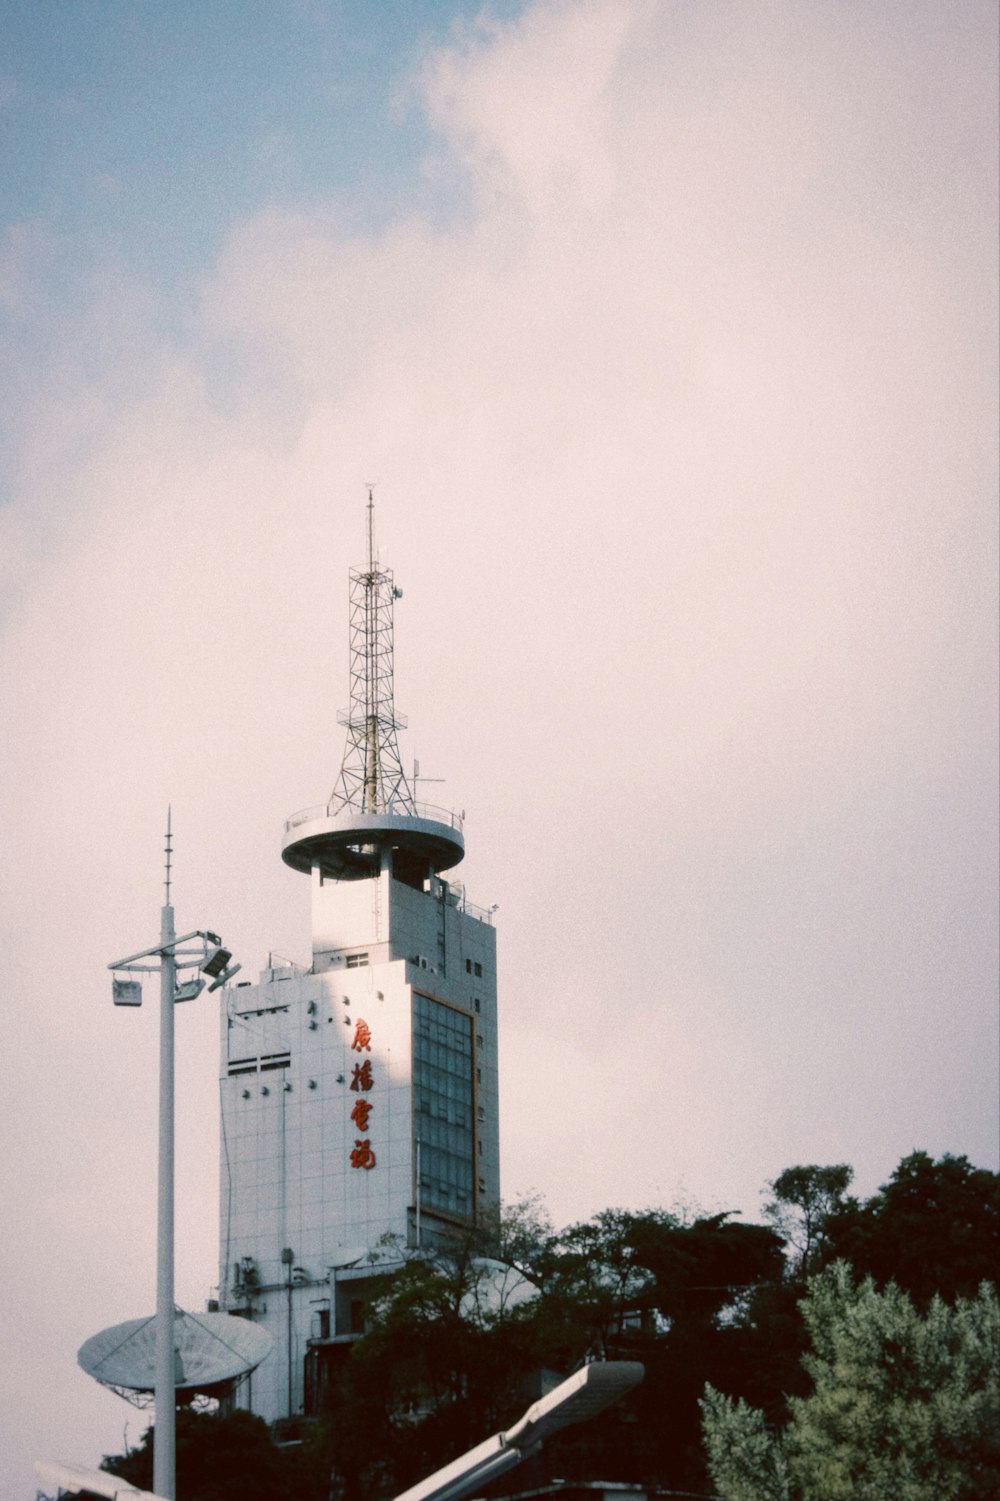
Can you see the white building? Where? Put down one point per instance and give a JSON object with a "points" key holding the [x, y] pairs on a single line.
{"points": [[359, 1096]]}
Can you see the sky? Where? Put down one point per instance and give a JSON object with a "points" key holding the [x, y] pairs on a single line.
{"points": [[666, 330]]}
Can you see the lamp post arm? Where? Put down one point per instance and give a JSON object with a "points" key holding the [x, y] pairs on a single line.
{"points": [[159, 948]]}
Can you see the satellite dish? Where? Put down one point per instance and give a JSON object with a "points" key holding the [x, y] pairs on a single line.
{"points": [[498, 1287], [347, 1256], [213, 1352]]}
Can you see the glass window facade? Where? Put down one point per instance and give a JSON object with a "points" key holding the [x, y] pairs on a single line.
{"points": [[442, 1106]]}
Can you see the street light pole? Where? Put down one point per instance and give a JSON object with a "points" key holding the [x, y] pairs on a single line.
{"points": [[200, 950], [164, 1445]]}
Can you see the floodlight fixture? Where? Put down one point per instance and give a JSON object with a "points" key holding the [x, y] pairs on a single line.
{"points": [[576, 1399], [581, 1396], [225, 977], [72, 1481], [189, 990], [217, 959]]}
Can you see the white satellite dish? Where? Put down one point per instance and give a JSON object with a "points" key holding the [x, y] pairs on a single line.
{"points": [[347, 1256], [213, 1352], [498, 1288]]}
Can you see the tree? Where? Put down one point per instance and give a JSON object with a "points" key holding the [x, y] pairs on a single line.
{"points": [[455, 1349], [440, 1367], [447, 1345], [227, 1458], [903, 1405], [805, 1201], [671, 1294], [933, 1228]]}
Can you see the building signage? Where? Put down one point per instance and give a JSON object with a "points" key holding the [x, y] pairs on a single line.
{"points": [[362, 1081]]}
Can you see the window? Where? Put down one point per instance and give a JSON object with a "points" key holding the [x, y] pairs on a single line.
{"points": [[478, 970], [442, 1102], [267, 1061], [468, 966], [274, 1060], [356, 961], [475, 1002]]}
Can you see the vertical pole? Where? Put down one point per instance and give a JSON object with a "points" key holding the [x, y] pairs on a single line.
{"points": [[416, 1196], [290, 1361], [164, 1445]]}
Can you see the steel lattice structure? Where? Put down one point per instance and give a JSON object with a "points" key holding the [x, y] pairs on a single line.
{"points": [[371, 776]]}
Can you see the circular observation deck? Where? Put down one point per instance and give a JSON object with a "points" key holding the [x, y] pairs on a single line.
{"points": [[347, 844]]}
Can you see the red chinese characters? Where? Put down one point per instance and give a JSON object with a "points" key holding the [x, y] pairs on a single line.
{"points": [[362, 1079], [362, 1082], [363, 1156]]}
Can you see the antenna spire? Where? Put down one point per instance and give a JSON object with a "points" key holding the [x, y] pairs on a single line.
{"points": [[370, 822], [371, 777], [168, 852]]}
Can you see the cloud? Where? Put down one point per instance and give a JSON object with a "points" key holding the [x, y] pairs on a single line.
{"points": [[526, 108], [704, 376], [675, 390]]}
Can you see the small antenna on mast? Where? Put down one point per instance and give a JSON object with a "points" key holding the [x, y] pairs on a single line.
{"points": [[168, 854], [371, 525], [418, 778]]}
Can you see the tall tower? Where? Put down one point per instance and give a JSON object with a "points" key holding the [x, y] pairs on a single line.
{"points": [[359, 1094]]}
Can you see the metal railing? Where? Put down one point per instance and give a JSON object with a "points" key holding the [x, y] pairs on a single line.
{"points": [[482, 914], [401, 810]]}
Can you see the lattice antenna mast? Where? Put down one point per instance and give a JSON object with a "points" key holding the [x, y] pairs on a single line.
{"points": [[371, 777]]}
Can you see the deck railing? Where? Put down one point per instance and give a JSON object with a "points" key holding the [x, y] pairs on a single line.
{"points": [[400, 810]]}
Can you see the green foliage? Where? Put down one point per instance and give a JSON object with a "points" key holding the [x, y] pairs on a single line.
{"points": [[700, 1269], [805, 1201], [868, 1391], [903, 1405], [230, 1458], [438, 1368], [745, 1461], [934, 1228], [521, 1235]]}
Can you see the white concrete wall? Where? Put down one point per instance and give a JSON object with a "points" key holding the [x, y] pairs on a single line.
{"points": [[288, 1137], [349, 914], [287, 1178]]}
